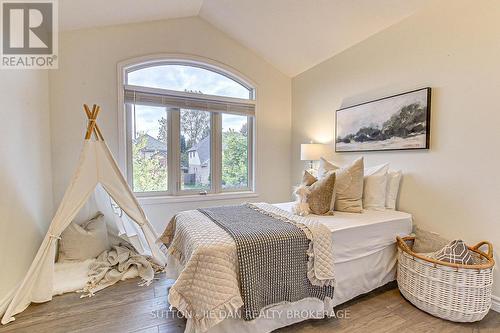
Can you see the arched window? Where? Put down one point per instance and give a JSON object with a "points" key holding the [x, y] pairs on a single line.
{"points": [[189, 129], [189, 78]]}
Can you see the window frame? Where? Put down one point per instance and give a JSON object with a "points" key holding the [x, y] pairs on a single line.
{"points": [[173, 136], [190, 63]]}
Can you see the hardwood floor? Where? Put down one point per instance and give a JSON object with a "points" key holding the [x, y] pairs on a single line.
{"points": [[126, 307]]}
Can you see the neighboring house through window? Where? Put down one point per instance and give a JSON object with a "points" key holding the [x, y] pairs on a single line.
{"points": [[199, 163], [189, 129]]}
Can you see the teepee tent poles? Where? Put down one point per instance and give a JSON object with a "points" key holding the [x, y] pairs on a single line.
{"points": [[92, 126], [96, 166]]}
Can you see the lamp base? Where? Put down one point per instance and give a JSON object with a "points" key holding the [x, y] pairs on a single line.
{"points": [[311, 169]]}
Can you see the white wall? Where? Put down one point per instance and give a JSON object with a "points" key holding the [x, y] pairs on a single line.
{"points": [[25, 176], [88, 74], [453, 47]]}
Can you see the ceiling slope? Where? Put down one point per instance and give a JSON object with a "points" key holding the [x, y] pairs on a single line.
{"points": [[292, 35], [295, 35], [80, 14]]}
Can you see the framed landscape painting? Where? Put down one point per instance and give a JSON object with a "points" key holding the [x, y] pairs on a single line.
{"points": [[397, 122]]}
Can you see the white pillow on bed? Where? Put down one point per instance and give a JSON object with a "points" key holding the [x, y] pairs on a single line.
{"points": [[375, 187], [393, 181]]}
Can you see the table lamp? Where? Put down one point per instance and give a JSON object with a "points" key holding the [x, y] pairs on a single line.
{"points": [[311, 152]]}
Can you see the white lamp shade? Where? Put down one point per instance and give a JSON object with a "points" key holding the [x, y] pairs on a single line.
{"points": [[311, 151]]}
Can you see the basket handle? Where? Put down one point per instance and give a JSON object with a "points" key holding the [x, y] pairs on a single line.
{"points": [[490, 248], [403, 245]]}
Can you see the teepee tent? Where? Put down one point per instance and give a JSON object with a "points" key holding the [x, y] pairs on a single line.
{"points": [[96, 169]]}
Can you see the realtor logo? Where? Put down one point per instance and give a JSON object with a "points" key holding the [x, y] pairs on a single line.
{"points": [[29, 34]]}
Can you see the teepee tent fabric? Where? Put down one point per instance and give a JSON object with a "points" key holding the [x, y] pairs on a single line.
{"points": [[96, 166], [119, 225]]}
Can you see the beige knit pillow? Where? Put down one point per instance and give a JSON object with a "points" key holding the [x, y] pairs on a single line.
{"points": [[301, 192], [320, 196], [348, 185]]}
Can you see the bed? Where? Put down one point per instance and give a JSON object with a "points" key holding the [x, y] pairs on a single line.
{"points": [[364, 255]]}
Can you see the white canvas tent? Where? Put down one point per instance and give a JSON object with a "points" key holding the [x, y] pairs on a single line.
{"points": [[96, 169]]}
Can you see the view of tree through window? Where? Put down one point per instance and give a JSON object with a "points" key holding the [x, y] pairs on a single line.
{"points": [[149, 149], [234, 151], [195, 149], [154, 122]]}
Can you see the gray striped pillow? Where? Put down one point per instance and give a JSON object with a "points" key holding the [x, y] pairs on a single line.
{"points": [[455, 252]]}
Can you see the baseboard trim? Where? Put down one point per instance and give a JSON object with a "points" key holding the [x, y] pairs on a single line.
{"points": [[495, 303]]}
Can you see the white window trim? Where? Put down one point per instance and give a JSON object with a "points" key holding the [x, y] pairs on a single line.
{"points": [[150, 60], [155, 200]]}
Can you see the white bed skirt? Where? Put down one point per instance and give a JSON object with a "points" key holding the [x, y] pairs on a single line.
{"points": [[353, 278]]}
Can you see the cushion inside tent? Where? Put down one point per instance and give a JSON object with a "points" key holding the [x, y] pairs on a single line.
{"points": [[71, 276]]}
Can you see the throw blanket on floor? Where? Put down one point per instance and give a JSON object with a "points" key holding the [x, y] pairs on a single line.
{"points": [[272, 257], [113, 265], [207, 289]]}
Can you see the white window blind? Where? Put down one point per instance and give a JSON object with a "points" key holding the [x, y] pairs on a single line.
{"points": [[176, 99]]}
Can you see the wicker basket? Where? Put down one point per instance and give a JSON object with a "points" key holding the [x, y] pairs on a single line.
{"points": [[454, 292]]}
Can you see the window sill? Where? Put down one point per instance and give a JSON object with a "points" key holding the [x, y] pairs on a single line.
{"points": [[157, 200]]}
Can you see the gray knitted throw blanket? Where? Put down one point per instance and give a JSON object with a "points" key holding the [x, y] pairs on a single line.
{"points": [[272, 258]]}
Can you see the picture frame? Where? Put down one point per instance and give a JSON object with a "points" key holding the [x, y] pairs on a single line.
{"points": [[397, 122]]}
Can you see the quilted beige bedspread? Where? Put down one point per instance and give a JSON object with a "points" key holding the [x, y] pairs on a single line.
{"points": [[207, 290]]}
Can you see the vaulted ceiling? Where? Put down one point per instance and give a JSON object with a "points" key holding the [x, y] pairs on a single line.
{"points": [[293, 35]]}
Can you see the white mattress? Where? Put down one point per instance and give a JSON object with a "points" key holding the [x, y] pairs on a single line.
{"points": [[359, 235]]}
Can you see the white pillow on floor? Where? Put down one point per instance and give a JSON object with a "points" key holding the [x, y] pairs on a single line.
{"points": [[375, 187], [393, 181]]}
